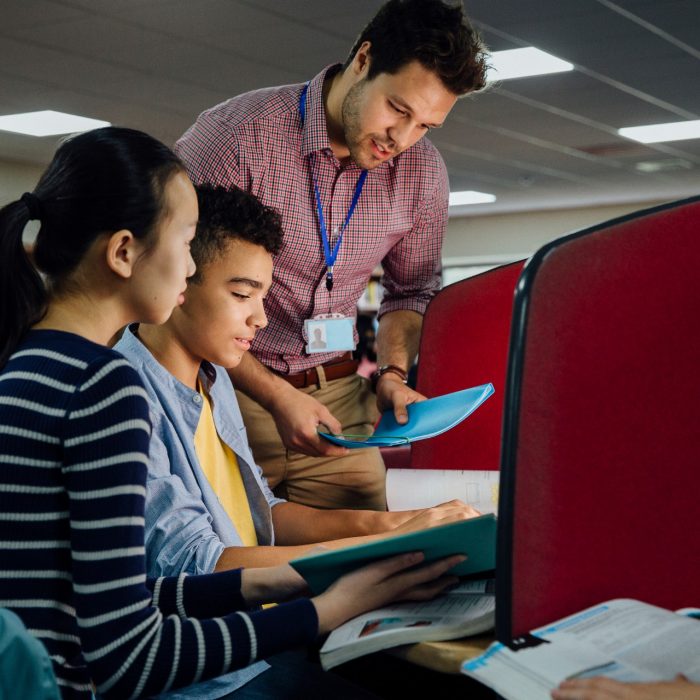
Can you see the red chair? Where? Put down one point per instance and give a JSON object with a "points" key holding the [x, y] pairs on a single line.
{"points": [[600, 475], [464, 343]]}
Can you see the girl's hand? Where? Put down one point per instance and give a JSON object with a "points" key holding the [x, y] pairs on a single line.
{"points": [[380, 583]]}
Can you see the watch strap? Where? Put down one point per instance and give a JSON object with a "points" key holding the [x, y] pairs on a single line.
{"points": [[384, 369]]}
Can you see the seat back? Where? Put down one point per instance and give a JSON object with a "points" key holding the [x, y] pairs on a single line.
{"points": [[601, 438], [25, 667], [464, 343]]}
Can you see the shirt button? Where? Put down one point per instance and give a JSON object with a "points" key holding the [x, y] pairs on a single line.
{"points": [[197, 398]]}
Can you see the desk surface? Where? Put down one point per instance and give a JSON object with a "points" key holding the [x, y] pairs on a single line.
{"points": [[445, 657]]}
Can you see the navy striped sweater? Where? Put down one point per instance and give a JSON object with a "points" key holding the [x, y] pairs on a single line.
{"points": [[74, 434]]}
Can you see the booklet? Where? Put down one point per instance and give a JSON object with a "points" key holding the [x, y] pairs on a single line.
{"points": [[426, 419], [467, 609], [475, 537], [622, 639]]}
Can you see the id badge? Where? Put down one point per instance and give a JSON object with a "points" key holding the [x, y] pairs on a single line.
{"points": [[328, 333]]}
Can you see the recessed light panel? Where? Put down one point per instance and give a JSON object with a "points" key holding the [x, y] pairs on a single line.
{"points": [[48, 123], [522, 63], [470, 197], [655, 133]]}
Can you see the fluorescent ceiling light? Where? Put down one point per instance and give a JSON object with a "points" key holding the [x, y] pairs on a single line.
{"points": [[470, 197], [654, 133], [48, 123], [521, 63]]}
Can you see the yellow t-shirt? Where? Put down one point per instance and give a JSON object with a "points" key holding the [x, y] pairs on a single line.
{"points": [[220, 465]]}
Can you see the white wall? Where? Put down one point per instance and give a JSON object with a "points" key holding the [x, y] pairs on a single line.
{"points": [[515, 235], [17, 178]]}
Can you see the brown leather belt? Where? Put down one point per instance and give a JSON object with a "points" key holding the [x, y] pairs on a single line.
{"points": [[342, 366]]}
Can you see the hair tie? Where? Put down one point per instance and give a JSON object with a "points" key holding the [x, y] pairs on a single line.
{"points": [[33, 204]]}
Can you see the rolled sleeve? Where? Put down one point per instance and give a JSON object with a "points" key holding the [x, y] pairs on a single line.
{"points": [[412, 268], [270, 497], [179, 533]]}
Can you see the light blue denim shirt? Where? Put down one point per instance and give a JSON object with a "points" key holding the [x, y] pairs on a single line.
{"points": [[186, 526]]}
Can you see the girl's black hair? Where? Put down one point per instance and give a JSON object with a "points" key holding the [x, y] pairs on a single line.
{"points": [[98, 182]]}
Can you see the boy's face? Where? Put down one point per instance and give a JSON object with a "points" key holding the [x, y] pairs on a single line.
{"points": [[222, 313]]}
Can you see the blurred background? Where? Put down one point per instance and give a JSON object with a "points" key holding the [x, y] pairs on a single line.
{"points": [[545, 148]]}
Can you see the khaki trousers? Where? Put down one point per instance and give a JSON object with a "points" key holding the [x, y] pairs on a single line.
{"points": [[355, 481]]}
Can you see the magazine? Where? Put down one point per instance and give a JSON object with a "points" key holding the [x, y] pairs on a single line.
{"points": [[622, 639], [467, 609]]}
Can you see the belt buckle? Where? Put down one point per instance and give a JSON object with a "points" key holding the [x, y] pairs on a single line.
{"points": [[309, 378]]}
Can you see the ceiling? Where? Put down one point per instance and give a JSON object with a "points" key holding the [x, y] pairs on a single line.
{"points": [[540, 142]]}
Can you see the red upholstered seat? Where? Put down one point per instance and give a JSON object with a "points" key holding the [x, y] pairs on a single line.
{"points": [[600, 478], [464, 343]]}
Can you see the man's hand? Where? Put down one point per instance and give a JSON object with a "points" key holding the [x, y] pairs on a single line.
{"points": [[297, 417], [393, 393], [608, 689], [443, 514]]}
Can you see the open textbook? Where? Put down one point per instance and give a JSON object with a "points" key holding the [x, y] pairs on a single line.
{"points": [[426, 419], [407, 489], [475, 537], [465, 610], [622, 639]]}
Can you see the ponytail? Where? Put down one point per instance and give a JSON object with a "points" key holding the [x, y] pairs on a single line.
{"points": [[22, 293]]}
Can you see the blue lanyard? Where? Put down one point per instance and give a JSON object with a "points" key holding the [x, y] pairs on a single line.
{"points": [[329, 255]]}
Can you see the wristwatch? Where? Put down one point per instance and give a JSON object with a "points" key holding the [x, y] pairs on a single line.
{"points": [[374, 378]]}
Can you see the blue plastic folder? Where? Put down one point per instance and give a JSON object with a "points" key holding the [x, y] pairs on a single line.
{"points": [[475, 537], [426, 419]]}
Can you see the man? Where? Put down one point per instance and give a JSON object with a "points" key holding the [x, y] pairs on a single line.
{"points": [[208, 508], [343, 159]]}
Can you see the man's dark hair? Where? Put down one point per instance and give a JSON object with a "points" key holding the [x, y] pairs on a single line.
{"points": [[436, 34], [226, 214]]}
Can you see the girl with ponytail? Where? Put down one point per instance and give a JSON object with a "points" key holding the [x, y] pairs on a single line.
{"points": [[117, 214]]}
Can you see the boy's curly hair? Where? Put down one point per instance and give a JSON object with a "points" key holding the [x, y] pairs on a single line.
{"points": [[226, 214]]}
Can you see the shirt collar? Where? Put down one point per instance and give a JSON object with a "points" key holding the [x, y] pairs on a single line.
{"points": [[314, 132], [131, 342]]}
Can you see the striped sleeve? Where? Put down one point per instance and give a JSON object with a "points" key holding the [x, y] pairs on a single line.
{"points": [[134, 647]]}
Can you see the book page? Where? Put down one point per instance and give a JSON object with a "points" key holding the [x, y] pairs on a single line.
{"points": [[622, 639], [407, 489], [455, 614], [640, 638]]}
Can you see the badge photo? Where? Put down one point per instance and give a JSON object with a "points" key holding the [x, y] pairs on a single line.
{"points": [[329, 334]]}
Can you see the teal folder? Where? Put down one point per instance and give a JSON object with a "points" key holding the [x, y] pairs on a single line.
{"points": [[426, 419], [475, 537]]}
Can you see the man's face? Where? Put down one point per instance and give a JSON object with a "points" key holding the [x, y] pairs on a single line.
{"points": [[386, 115], [222, 312]]}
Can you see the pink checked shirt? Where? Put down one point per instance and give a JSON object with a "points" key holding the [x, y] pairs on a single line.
{"points": [[256, 141]]}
